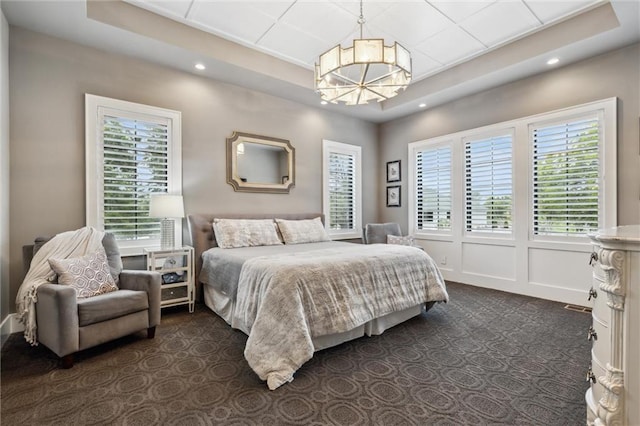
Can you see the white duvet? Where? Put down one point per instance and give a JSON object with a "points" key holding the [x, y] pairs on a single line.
{"points": [[285, 300]]}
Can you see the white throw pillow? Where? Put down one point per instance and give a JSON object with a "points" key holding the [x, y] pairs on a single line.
{"points": [[89, 275], [402, 241], [235, 233], [302, 231]]}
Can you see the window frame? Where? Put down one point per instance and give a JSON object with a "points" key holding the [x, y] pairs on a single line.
{"points": [[607, 151], [329, 147], [481, 136], [522, 173], [414, 148], [94, 158]]}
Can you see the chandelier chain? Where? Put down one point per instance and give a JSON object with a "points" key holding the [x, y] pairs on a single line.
{"points": [[361, 20]]}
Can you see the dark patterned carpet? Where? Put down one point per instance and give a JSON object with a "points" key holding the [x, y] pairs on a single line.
{"points": [[486, 357]]}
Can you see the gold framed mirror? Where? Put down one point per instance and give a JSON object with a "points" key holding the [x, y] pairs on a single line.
{"points": [[260, 163]]}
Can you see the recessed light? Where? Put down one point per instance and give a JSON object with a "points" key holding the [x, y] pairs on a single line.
{"points": [[200, 67], [323, 102], [553, 61], [422, 105]]}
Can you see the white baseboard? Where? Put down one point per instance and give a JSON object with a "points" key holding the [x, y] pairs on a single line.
{"points": [[10, 325]]}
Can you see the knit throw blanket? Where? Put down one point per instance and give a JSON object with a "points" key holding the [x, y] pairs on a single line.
{"points": [[65, 245]]}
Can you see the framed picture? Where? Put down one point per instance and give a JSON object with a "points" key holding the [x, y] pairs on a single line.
{"points": [[393, 171], [393, 196]]}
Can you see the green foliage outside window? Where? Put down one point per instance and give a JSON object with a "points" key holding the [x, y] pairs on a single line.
{"points": [[566, 186], [135, 166]]}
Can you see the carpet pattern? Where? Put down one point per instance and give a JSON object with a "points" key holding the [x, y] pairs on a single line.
{"points": [[485, 358]]}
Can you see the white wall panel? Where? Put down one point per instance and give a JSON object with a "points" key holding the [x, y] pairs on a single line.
{"points": [[559, 268], [444, 253], [543, 272], [489, 260]]}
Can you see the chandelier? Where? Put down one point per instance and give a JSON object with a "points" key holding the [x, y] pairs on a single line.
{"points": [[366, 71]]}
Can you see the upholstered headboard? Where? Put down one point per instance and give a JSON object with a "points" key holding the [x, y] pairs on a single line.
{"points": [[202, 237]]}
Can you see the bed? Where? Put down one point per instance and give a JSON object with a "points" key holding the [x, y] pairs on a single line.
{"points": [[307, 294]]}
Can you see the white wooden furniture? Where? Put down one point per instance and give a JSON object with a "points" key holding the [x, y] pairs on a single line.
{"points": [[614, 395], [175, 265]]}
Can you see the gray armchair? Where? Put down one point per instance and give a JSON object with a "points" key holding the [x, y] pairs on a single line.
{"points": [[67, 324], [376, 233]]}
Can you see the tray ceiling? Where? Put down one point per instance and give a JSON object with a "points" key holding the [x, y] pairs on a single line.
{"points": [[458, 47]]}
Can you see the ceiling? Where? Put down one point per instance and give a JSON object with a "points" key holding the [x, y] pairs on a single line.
{"points": [[438, 33], [457, 47]]}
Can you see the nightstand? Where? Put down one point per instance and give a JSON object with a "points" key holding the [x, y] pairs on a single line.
{"points": [[176, 267]]}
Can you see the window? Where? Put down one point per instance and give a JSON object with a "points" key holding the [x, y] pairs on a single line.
{"points": [[342, 195], [133, 151], [433, 189], [473, 184], [488, 183], [565, 181]]}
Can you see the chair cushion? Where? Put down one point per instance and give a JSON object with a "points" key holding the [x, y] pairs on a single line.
{"points": [[376, 233], [111, 305]]}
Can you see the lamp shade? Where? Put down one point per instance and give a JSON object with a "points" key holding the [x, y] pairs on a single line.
{"points": [[166, 205]]}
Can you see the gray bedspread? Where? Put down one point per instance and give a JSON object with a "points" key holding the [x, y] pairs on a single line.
{"points": [[284, 300], [221, 267]]}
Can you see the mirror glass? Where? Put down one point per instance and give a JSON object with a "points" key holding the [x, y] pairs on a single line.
{"points": [[260, 163]]}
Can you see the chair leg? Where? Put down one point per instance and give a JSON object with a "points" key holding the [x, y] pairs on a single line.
{"points": [[151, 332], [67, 361]]}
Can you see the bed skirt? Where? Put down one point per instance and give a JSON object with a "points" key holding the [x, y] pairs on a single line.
{"points": [[223, 306]]}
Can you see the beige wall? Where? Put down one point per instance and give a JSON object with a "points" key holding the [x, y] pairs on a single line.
{"points": [[49, 78], [4, 168], [614, 74]]}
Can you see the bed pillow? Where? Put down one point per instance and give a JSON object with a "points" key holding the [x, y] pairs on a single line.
{"points": [[235, 233], [302, 231], [89, 275], [402, 241]]}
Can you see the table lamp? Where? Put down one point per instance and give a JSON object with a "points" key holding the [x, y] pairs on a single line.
{"points": [[167, 207]]}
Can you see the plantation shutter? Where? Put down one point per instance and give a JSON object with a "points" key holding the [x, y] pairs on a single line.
{"points": [[488, 184], [342, 190], [433, 189], [565, 177], [136, 164]]}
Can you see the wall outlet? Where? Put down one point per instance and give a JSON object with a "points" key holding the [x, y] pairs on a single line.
{"points": [[443, 260]]}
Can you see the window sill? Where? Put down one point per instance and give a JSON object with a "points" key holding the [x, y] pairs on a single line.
{"points": [[352, 236], [131, 252]]}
